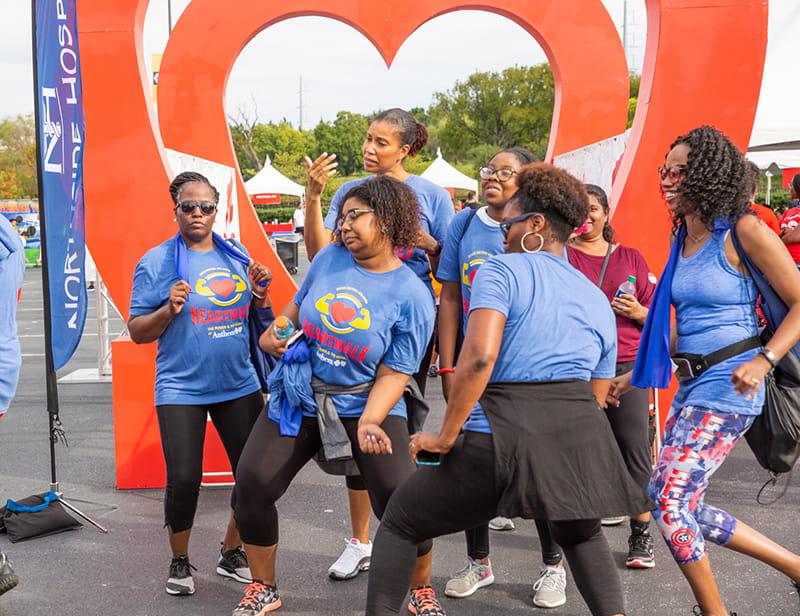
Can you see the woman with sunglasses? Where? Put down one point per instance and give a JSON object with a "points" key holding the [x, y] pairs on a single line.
{"points": [[608, 265], [392, 136], [704, 185], [539, 353], [474, 237], [367, 320], [193, 294]]}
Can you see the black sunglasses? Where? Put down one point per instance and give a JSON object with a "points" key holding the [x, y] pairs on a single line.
{"points": [[505, 226], [187, 207]]}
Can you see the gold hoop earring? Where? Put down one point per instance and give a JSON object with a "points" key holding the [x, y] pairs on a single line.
{"points": [[522, 242]]}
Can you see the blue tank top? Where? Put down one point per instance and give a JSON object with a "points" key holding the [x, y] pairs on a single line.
{"points": [[715, 307]]}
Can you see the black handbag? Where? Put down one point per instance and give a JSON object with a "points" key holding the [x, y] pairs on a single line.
{"points": [[774, 436]]}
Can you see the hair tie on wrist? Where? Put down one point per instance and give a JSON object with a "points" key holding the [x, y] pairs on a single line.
{"points": [[441, 371], [257, 295]]}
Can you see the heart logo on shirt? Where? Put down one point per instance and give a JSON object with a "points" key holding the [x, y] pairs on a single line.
{"points": [[341, 312], [222, 287]]}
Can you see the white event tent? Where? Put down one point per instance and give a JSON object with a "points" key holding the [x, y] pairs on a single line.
{"points": [[270, 180], [445, 175]]}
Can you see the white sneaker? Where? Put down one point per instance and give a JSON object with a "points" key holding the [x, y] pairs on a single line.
{"points": [[501, 523], [354, 559], [550, 590], [471, 577]]}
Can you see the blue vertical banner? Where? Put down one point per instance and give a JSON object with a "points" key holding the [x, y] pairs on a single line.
{"points": [[59, 100]]}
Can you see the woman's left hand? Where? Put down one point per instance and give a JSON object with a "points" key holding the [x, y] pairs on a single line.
{"points": [[260, 277], [372, 439], [749, 376], [628, 306], [427, 441]]}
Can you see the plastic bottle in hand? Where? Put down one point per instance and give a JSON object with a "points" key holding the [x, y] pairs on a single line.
{"points": [[283, 327], [627, 288]]}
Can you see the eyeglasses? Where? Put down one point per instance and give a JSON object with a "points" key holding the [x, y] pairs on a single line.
{"points": [[675, 173], [503, 175], [187, 207], [351, 216], [505, 226]]}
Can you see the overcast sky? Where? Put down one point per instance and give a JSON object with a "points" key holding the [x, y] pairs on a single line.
{"points": [[321, 51]]}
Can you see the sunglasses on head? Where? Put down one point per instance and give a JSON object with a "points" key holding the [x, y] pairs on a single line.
{"points": [[675, 173], [187, 207], [505, 226]]}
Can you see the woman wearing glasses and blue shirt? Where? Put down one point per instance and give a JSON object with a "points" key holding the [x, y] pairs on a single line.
{"points": [[474, 237], [193, 294], [539, 352]]}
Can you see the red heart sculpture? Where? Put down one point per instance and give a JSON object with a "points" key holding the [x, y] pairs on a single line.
{"points": [[222, 286], [342, 313]]}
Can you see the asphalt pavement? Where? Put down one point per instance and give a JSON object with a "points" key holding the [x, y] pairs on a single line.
{"points": [[123, 572]]}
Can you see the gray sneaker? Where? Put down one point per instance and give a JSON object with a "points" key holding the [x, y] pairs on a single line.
{"points": [[550, 590], [8, 579], [180, 580], [467, 580], [501, 523]]}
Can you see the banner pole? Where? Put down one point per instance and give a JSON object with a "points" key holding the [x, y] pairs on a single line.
{"points": [[55, 429]]}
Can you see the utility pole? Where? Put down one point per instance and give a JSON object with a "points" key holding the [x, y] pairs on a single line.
{"points": [[300, 126], [169, 15]]}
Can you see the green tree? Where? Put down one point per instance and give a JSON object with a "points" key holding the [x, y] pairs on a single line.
{"points": [[635, 82], [506, 109], [344, 137], [18, 158]]}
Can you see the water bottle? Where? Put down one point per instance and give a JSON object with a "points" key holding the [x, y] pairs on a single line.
{"points": [[283, 327], [627, 288]]}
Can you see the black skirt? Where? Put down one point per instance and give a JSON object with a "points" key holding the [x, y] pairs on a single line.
{"points": [[555, 455]]}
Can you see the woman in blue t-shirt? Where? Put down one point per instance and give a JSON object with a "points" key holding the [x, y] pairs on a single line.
{"points": [[393, 135], [704, 184], [194, 294], [539, 352], [367, 320], [473, 238]]}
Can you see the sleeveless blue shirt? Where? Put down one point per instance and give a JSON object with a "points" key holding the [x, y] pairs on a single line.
{"points": [[715, 307]]}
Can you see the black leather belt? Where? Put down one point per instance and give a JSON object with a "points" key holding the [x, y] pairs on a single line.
{"points": [[692, 365]]}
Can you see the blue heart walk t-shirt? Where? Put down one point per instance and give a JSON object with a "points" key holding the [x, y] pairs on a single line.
{"points": [[203, 355], [473, 238], [354, 320]]}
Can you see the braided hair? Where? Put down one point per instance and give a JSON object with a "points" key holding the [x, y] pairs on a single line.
{"points": [[598, 193], [412, 133], [715, 182], [396, 208], [189, 177]]}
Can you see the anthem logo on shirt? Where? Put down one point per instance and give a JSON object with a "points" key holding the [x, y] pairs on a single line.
{"points": [[344, 310], [220, 286]]}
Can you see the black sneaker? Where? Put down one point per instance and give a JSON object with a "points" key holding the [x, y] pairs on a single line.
{"points": [[640, 551], [696, 611], [8, 579], [233, 564], [423, 602], [180, 580]]}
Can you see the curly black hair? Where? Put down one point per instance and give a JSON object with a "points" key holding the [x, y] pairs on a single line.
{"points": [[395, 204], [715, 183], [598, 193], [556, 194], [751, 174], [188, 177]]}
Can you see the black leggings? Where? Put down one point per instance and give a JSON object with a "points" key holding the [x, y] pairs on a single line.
{"points": [[478, 543], [183, 432], [270, 461], [630, 423], [465, 496]]}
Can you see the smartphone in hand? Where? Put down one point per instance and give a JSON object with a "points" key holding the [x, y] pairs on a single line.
{"points": [[428, 458]]}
